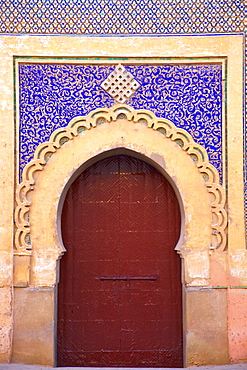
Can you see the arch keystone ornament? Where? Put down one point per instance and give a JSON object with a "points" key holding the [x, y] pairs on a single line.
{"points": [[126, 118]]}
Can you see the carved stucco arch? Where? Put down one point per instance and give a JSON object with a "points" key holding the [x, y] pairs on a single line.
{"points": [[158, 139]]}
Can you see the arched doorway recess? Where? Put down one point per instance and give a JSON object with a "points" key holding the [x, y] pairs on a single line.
{"points": [[172, 151], [120, 292]]}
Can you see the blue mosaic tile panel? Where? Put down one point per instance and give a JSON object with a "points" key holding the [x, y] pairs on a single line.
{"points": [[121, 16], [52, 94]]}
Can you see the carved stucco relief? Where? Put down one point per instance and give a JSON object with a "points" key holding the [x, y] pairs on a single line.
{"points": [[197, 153], [120, 84]]}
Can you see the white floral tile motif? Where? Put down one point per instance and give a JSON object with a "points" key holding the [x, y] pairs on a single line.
{"points": [[52, 94]]}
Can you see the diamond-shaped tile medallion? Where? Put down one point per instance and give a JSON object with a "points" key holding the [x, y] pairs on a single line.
{"points": [[120, 84]]}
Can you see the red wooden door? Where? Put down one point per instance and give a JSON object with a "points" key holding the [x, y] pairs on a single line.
{"points": [[119, 296]]}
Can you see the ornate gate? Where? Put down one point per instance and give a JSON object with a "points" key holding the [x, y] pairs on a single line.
{"points": [[119, 296]]}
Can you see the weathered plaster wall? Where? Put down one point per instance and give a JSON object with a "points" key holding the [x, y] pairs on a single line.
{"points": [[6, 323], [237, 321], [206, 311], [33, 341], [7, 203]]}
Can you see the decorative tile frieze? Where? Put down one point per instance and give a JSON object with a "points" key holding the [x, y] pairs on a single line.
{"points": [[50, 95], [121, 17]]}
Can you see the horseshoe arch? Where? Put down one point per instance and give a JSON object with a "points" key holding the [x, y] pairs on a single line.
{"points": [[158, 141]]}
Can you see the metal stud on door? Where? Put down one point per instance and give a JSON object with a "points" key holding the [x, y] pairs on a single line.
{"points": [[119, 296]]}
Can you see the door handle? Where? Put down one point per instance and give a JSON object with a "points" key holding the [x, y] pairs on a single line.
{"points": [[127, 278]]}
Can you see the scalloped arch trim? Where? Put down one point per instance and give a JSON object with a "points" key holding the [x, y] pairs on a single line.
{"points": [[76, 126]]}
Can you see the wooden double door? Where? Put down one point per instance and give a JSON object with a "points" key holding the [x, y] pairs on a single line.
{"points": [[119, 295]]}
